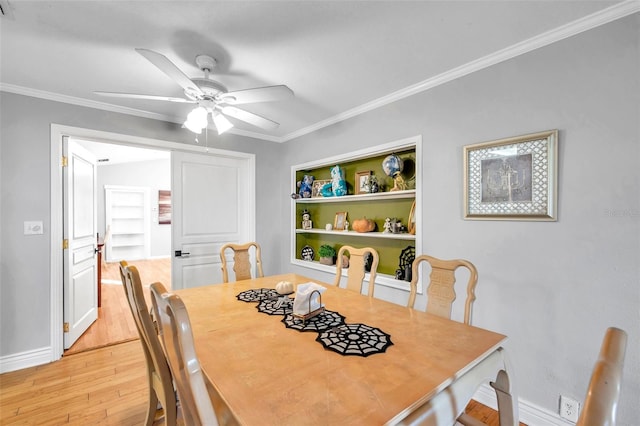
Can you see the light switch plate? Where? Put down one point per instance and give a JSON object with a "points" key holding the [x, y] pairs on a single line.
{"points": [[33, 228]]}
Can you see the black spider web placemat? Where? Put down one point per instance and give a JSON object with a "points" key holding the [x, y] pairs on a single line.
{"points": [[355, 339], [257, 294], [277, 306], [323, 321], [333, 333]]}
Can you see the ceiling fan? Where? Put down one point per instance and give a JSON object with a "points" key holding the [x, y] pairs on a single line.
{"points": [[210, 96]]}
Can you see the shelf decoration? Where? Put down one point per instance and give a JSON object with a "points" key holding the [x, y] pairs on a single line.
{"points": [[307, 253], [305, 186], [392, 166], [363, 225], [318, 185], [338, 186], [340, 221], [412, 219], [306, 220], [362, 184], [407, 256], [327, 254]]}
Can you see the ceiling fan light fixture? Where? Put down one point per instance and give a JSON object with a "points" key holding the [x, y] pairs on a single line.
{"points": [[221, 122], [193, 127], [198, 116], [197, 120]]}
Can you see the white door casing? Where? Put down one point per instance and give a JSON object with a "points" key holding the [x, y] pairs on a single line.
{"points": [[211, 203], [80, 269], [56, 263]]}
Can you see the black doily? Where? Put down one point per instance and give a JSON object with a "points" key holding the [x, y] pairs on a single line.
{"points": [[257, 294], [321, 322], [276, 306], [355, 339]]}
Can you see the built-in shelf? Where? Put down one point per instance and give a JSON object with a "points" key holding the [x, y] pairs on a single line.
{"points": [[400, 205], [390, 195], [391, 236]]}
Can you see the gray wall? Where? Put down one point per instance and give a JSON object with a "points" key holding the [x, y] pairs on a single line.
{"points": [[552, 287], [155, 175], [25, 195]]}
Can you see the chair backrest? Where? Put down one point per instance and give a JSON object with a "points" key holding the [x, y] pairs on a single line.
{"points": [[241, 261], [440, 291], [356, 270], [601, 402], [160, 379], [190, 381]]}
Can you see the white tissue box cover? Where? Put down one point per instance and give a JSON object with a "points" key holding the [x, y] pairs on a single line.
{"points": [[304, 292]]}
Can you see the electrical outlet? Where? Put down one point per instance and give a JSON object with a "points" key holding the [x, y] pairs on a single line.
{"points": [[569, 408]]}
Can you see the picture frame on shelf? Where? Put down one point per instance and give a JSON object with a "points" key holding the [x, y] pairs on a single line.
{"points": [[340, 221], [361, 183], [512, 179], [316, 187]]}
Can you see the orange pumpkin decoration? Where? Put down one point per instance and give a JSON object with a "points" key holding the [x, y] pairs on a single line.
{"points": [[363, 225]]}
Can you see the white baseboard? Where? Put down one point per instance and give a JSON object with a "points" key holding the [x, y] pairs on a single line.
{"points": [[530, 414], [25, 359]]}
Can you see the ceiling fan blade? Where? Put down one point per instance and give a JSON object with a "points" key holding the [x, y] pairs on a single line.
{"points": [[249, 117], [259, 94], [170, 69], [139, 96]]}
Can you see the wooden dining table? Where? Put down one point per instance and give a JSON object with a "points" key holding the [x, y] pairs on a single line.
{"points": [[268, 374]]}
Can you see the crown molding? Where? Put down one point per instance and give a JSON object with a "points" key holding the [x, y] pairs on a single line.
{"points": [[602, 17], [57, 97], [578, 26]]}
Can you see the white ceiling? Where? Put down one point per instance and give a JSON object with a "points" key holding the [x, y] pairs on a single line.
{"points": [[340, 58]]}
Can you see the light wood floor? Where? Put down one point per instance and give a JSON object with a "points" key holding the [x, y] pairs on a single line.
{"points": [[115, 323], [102, 386]]}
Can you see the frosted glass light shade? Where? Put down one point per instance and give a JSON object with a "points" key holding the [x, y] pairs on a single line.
{"points": [[221, 122]]}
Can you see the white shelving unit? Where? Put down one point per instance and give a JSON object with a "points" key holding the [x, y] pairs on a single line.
{"points": [[127, 219], [371, 237]]}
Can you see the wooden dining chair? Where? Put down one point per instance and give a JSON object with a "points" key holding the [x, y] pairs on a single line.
{"points": [[200, 403], [356, 270], [158, 372], [601, 402], [241, 261], [440, 291]]}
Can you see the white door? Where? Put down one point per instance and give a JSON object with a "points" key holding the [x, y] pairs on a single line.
{"points": [[212, 199], [80, 269]]}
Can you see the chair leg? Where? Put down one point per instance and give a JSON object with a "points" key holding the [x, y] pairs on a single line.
{"points": [[170, 410], [152, 407]]}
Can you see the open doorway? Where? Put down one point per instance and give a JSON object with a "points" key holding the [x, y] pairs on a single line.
{"points": [[195, 172], [133, 224]]}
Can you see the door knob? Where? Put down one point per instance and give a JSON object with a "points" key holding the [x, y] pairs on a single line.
{"points": [[180, 253]]}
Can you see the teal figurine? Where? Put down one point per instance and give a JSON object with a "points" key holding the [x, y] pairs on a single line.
{"points": [[338, 186]]}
